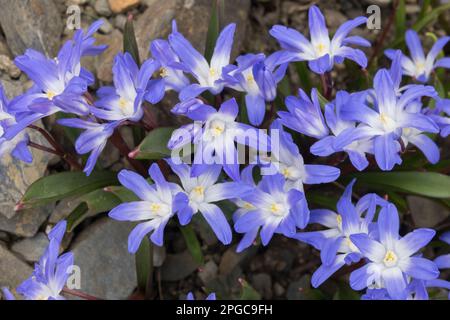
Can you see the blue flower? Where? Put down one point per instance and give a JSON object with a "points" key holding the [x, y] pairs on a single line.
{"points": [[258, 77], [356, 150], [171, 77], [124, 100], [274, 210], [287, 160], [7, 295], [304, 115], [18, 146], [321, 52], [51, 272], [157, 204], [214, 134], [441, 115], [336, 248], [93, 140], [209, 75], [211, 296], [420, 66], [386, 118], [390, 257], [202, 191], [59, 84]]}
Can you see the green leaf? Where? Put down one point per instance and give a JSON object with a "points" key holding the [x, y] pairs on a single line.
{"points": [[322, 100], [303, 74], [154, 146], [71, 133], [213, 28], [322, 200], [247, 291], [76, 216], [122, 193], [192, 243], [431, 16], [144, 266], [65, 184], [129, 41], [400, 19], [344, 292], [97, 202], [424, 10], [427, 19], [430, 184]]}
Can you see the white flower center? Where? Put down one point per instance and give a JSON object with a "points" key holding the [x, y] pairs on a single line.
{"points": [[197, 194], [126, 106], [217, 128], [390, 259], [389, 124], [291, 173], [278, 209], [159, 209]]}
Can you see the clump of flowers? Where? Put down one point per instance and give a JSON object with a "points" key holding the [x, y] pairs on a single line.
{"points": [[252, 146]]}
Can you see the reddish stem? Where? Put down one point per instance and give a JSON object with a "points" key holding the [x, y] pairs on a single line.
{"points": [[120, 144], [80, 294]]}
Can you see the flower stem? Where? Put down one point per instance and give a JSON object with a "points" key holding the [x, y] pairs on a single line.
{"points": [[327, 85], [80, 294], [120, 144], [57, 148]]}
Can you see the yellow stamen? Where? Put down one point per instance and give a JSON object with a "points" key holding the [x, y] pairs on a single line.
{"points": [[122, 103], [250, 78], [163, 72], [212, 72], [248, 206], [275, 208], [199, 190], [339, 220], [50, 95], [155, 207], [390, 258], [320, 48], [285, 172]]}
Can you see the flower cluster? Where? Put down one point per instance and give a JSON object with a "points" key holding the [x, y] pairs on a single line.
{"points": [[51, 272], [390, 265], [269, 185]]}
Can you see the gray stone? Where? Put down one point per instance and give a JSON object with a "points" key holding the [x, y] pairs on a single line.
{"points": [[334, 19], [178, 266], [154, 23], [104, 62], [382, 3], [17, 176], [4, 49], [278, 289], [31, 249], [208, 272], [31, 24], [12, 88], [159, 256], [107, 268], [262, 283], [426, 213], [231, 259], [25, 223], [4, 236], [192, 19], [119, 21], [12, 270], [8, 66], [102, 8]]}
